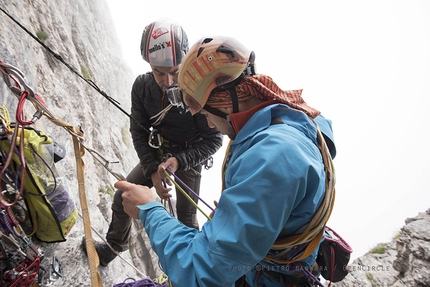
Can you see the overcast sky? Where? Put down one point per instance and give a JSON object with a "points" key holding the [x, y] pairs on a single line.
{"points": [[364, 64]]}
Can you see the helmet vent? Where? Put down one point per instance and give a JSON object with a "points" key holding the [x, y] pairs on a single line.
{"points": [[200, 51], [207, 40], [226, 50]]}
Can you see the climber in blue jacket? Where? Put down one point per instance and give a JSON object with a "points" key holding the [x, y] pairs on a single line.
{"points": [[274, 178]]}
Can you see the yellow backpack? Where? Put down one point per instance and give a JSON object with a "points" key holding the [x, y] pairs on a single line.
{"points": [[51, 210]]}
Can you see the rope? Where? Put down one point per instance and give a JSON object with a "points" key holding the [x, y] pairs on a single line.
{"points": [[6, 163], [117, 253], [314, 230], [160, 116], [162, 281], [5, 117], [73, 70], [168, 172], [168, 201]]}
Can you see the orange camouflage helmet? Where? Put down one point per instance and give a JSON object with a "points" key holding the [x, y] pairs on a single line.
{"points": [[210, 63]]}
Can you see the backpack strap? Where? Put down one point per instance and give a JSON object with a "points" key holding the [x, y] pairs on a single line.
{"points": [[314, 230]]}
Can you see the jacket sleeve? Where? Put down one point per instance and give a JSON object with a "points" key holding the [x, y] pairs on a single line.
{"points": [[210, 141], [139, 129]]}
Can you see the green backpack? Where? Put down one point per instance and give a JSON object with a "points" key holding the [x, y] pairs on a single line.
{"points": [[51, 210]]}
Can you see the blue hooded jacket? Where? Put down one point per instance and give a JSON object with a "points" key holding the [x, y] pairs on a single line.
{"points": [[274, 183]]}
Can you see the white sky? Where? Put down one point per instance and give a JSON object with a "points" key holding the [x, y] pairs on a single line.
{"points": [[364, 64]]}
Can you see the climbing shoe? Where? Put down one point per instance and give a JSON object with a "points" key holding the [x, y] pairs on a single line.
{"points": [[105, 253]]}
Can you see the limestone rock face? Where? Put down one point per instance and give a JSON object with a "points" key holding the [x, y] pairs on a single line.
{"points": [[405, 261], [82, 34]]}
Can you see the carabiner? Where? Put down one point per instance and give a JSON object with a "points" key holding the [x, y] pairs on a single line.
{"points": [[155, 140]]}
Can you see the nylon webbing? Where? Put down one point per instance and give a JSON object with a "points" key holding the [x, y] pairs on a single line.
{"points": [[93, 258]]}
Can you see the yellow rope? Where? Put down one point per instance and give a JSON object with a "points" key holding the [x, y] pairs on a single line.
{"points": [[162, 279], [5, 116], [186, 194]]}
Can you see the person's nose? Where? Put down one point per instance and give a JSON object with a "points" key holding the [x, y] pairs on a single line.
{"points": [[210, 123], [170, 80]]}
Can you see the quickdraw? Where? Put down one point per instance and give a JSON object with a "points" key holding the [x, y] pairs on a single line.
{"points": [[48, 275], [19, 258]]}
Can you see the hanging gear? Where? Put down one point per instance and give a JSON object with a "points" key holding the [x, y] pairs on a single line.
{"points": [[333, 256], [155, 139], [50, 274], [19, 258], [18, 80], [35, 179]]}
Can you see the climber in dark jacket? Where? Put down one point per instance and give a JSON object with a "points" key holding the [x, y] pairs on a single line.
{"points": [[161, 132]]}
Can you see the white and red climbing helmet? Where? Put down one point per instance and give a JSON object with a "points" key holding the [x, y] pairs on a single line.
{"points": [[164, 43]]}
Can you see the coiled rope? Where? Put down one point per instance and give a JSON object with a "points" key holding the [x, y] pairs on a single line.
{"points": [[161, 281]]}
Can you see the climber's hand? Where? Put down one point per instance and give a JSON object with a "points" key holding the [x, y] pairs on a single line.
{"points": [[160, 188], [134, 195]]}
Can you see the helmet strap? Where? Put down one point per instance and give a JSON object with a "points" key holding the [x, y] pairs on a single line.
{"points": [[234, 99], [215, 111], [234, 102]]}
